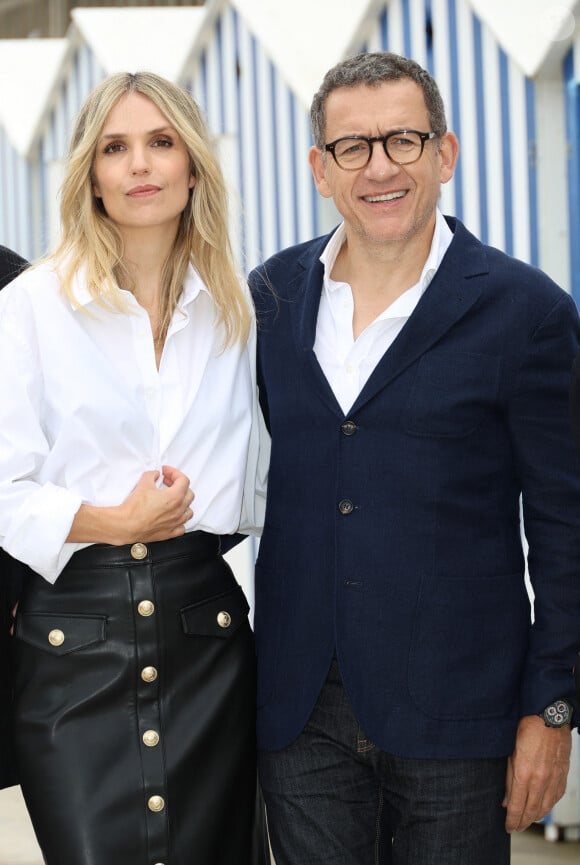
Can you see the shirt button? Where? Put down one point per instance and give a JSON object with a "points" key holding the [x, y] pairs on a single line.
{"points": [[156, 803], [139, 551], [345, 507], [151, 738], [149, 674], [56, 637], [348, 428], [146, 608], [224, 619]]}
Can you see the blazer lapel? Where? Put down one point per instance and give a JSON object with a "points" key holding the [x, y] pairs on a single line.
{"points": [[450, 295], [304, 313]]}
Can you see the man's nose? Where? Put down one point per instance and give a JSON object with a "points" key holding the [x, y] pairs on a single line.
{"points": [[379, 164]]}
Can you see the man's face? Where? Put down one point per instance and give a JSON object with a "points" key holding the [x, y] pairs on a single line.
{"points": [[384, 202]]}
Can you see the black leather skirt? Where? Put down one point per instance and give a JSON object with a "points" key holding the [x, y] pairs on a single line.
{"points": [[134, 708]]}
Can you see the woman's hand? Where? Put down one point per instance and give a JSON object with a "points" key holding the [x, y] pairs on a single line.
{"points": [[149, 513], [152, 513]]}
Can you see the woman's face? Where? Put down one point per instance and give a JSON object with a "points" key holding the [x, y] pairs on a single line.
{"points": [[141, 170]]}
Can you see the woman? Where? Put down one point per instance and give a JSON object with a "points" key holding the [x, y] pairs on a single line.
{"points": [[127, 380]]}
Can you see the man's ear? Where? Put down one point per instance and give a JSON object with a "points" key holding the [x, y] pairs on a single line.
{"points": [[318, 167], [448, 155]]}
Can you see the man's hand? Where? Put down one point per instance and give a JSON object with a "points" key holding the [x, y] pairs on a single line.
{"points": [[537, 772]]}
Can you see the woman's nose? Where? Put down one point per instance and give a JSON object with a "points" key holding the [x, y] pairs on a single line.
{"points": [[139, 161]]}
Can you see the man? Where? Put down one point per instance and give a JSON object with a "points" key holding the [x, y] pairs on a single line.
{"points": [[10, 266], [415, 385]]}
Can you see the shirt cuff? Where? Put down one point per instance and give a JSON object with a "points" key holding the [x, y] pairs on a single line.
{"points": [[39, 529]]}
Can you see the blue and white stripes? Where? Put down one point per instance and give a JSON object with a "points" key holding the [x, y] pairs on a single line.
{"points": [[261, 128]]}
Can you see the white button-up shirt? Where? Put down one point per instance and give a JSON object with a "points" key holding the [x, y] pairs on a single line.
{"points": [[84, 411], [347, 363]]}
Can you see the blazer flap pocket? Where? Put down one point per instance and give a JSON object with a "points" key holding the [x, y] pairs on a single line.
{"points": [[218, 616], [60, 633]]}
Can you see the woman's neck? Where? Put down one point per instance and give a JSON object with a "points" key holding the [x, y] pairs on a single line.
{"points": [[145, 254]]}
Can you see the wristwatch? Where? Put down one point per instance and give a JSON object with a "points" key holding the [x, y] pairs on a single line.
{"points": [[557, 714]]}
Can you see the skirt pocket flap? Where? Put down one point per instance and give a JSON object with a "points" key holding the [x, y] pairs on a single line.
{"points": [[218, 616], [60, 633]]}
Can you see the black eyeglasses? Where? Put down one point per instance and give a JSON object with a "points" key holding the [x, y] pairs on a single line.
{"points": [[402, 146]]}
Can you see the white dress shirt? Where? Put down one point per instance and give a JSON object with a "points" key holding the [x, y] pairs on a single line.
{"points": [[347, 363], [84, 411]]}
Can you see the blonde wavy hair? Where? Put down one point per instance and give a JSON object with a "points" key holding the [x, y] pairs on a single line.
{"points": [[90, 240]]}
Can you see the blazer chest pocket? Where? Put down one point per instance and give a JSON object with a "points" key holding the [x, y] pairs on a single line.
{"points": [[60, 634], [218, 616], [451, 393]]}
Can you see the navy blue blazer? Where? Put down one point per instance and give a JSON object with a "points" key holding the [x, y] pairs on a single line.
{"points": [[392, 534]]}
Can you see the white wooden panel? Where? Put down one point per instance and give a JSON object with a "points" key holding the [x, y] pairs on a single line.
{"points": [[249, 166], [519, 163], [494, 133], [442, 74], [268, 158], [468, 108], [285, 157]]}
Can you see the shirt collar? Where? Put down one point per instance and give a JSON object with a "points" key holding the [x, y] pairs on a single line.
{"points": [[442, 237], [191, 288]]}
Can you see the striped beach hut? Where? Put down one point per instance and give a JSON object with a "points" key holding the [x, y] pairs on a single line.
{"points": [[24, 96], [504, 70]]}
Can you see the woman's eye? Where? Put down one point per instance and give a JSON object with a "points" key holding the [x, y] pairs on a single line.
{"points": [[114, 147], [163, 142]]}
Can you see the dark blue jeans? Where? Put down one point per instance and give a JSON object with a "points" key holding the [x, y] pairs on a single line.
{"points": [[334, 798]]}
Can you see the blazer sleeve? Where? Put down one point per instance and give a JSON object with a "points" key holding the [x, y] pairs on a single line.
{"points": [[548, 466], [575, 400], [11, 264]]}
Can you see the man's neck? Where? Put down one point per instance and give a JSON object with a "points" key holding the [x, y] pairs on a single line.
{"points": [[378, 273]]}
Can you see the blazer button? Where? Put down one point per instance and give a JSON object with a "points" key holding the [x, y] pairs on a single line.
{"points": [[56, 637], [345, 507], [348, 428], [156, 803], [149, 674]]}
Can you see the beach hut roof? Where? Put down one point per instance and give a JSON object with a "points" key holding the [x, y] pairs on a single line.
{"points": [[128, 39]]}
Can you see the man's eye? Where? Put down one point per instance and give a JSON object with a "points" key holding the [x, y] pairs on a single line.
{"points": [[402, 142], [351, 149]]}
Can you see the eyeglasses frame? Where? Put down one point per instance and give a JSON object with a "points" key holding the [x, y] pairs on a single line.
{"points": [[424, 136]]}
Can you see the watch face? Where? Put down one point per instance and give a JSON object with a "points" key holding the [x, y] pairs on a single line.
{"points": [[557, 714]]}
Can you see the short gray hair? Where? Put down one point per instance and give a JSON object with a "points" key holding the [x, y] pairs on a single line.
{"points": [[372, 70]]}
